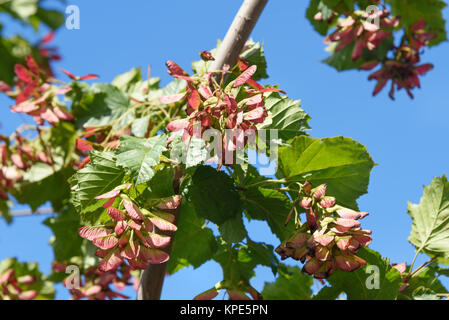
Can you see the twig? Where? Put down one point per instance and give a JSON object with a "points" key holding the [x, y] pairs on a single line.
{"points": [[238, 33]]}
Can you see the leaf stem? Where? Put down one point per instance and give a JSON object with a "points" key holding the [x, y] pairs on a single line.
{"points": [[422, 266], [413, 261]]}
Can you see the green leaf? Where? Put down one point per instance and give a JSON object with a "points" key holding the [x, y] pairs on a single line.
{"points": [[124, 81], [21, 9], [318, 6], [424, 285], [190, 153], [52, 18], [264, 253], [342, 163], [238, 261], [254, 54], [261, 203], [327, 293], [411, 11], [285, 115], [290, 285], [161, 185], [65, 241], [361, 283], [42, 184], [140, 126], [193, 244], [430, 228], [213, 195], [101, 104], [98, 177], [4, 211], [140, 155], [268, 205]]}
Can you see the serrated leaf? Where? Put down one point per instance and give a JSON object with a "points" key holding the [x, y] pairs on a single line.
{"points": [[285, 116], [192, 243], [254, 54], [140, 126], [43, 185], [342, 163], [98, 177], [238, 261], [213, 195], [262, 203], [268, 205], [100, 105], [290, 285], [125, 80], [233, 230], [190, 153], [140, 155], [430, 228]]}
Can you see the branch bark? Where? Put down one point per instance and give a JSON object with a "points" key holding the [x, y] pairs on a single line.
{"points": [[27, 212], [238, 33]]}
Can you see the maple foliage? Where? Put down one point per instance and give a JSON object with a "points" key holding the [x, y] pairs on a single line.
{"points": [[133, 182]]}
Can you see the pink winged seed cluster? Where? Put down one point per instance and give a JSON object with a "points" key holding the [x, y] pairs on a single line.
{"points": [[133, 236], [96, 285], [16, 288], [365, 34], [35, 96], [403, 70], [34, 91], [212, 105], [331, 237], [16, 158]]}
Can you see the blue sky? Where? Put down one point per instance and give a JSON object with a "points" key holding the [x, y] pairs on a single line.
{"points": [[407, 138]]}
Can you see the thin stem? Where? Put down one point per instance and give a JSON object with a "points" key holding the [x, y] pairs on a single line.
{"points": [[268, 181], [413, 261], [291, 212], [422, 266]]}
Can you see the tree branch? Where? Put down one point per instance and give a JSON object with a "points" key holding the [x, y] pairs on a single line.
{"points": [[238, 33], [26, 212]]}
